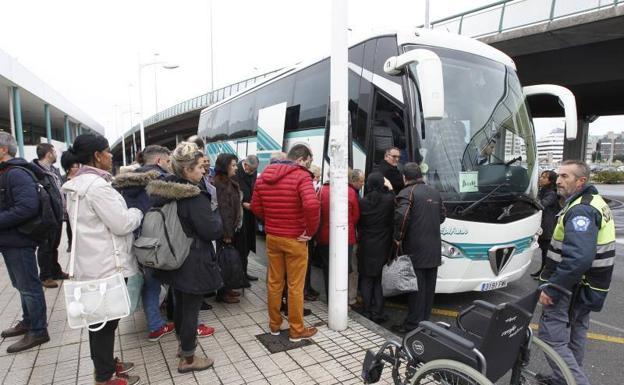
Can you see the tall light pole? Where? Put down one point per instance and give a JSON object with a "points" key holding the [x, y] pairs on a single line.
{"points": [[427, 23], [211, 49], [338, 152], [162, 64]]}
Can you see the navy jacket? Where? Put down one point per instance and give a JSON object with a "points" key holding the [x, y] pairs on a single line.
{"points": [[19, 202], [579, 246]]}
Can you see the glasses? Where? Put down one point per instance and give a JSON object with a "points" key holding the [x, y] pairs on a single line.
{"points": [[395, 156]]}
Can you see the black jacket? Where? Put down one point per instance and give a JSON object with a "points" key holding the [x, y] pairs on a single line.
{"points": [[375, 232], [246, 184], [131, 185], [199, 274], [19, 201], [550, 200], [421, 238], [392, 174]]}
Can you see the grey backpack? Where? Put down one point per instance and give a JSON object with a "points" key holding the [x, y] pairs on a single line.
{"points": [[162, 244]]}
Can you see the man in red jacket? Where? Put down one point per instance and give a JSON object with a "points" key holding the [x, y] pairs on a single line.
{"points": [[285, 200]]}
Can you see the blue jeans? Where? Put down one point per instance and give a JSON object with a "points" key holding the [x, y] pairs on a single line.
{"points": [[151, 303], [21, 264]]}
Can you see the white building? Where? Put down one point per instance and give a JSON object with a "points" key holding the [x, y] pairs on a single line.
{"points": [[550, 147]]}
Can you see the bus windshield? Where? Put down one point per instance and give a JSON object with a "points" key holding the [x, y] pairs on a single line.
{"points": [[485, 141]]}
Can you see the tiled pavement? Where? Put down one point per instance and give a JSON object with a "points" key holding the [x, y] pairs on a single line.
{"points": [[333, 358]]}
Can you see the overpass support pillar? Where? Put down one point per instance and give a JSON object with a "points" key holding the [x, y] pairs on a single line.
{"points": [[48, 122], [575, 149]]}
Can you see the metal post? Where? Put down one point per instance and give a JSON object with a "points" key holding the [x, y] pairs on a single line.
{"points": [[142, 127], [11, 115], [78, 129], [427, 23], [552, 9], [500, 23], [338, 147], [461, 21], [17, 116], [68, 140], [48, 122], [211, 49]]}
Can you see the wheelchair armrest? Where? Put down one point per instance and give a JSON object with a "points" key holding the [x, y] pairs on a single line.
{"points": [[449, 335], [484, 305], [559, 288]]}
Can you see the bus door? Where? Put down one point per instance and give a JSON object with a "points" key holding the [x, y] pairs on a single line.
{"points": [[387, 130], [270, 136]]}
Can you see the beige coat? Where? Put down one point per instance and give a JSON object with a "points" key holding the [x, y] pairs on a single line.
{"points": [[102, 214]]}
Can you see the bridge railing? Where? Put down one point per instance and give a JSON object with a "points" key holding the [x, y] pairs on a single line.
{"points": [[510, 14]]}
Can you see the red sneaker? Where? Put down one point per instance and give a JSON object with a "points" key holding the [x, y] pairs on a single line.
{"points": [[204, 331], [157, 334]]}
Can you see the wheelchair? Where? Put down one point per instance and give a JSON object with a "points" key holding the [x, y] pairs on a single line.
{"points": [[491, 344]]}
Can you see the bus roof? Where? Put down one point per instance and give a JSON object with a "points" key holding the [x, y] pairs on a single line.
{"points": [[420, 36]]}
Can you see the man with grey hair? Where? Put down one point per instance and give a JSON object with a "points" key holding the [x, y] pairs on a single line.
{"points": [[246, 175], [580, 258], [19, 202]]}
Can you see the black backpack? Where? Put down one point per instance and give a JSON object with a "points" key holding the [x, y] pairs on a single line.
{"points": [[50, 216]]}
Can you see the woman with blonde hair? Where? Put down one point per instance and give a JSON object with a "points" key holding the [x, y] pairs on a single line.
{"points": [[199, 274]]}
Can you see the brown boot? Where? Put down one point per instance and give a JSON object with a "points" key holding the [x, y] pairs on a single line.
{"points": [[195, 364], [306, 334], [228, 299], [17, 330], [49, 284], [29, 341]]}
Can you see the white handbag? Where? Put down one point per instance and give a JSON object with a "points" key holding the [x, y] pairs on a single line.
{"points": [[95, 301]]}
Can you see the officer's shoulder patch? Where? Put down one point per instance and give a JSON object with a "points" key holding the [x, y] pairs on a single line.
{"points": [[580, 223]]}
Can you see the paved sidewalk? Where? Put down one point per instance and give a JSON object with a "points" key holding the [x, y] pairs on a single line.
{"points": [[240, 358]]}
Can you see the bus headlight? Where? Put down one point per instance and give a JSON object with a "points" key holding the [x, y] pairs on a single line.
{"points": [[451, 251]]}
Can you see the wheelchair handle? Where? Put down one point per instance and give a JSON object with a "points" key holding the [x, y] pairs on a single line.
{"points": [[486, 305], [559, 288], [459, 340]]}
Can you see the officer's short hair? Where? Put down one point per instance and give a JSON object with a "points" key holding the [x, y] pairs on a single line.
{"points": [[389, 150], [43, 149], [581, 167], [8, 141], [412, 171]]}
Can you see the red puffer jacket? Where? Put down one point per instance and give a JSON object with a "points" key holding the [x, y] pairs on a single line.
{"points": [[354, 215], [285, 200]]}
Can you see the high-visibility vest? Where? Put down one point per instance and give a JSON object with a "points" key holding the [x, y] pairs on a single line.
{"points": [[598, 277]]}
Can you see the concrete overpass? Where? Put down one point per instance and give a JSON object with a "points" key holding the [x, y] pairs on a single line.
{"points": [[576, 44], [34, 112]]}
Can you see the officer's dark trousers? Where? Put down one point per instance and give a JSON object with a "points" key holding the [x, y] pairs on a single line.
{"points": [[420, 303], [569, 342]]}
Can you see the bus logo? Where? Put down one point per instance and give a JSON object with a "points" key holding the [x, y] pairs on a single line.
{"points": [[499, 256]]}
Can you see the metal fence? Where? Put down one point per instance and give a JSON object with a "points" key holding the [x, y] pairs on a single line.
{"points": [[510, 14]]}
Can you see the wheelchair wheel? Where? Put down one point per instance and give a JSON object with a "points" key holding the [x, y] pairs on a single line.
{"points": [[448, 372], [539, 367], [538, 371]]}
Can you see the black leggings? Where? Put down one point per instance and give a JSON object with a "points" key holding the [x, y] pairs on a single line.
{"points": [[102, 344], [185, 313]]}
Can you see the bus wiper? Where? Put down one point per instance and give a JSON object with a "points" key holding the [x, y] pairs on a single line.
{"points": [[470, 208], [514, 160], [525, 198]]}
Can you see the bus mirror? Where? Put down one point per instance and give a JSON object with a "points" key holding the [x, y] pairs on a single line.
{"points": [[566, 100], [428, 70]]}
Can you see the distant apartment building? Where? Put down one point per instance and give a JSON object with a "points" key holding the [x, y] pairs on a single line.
{"points": [[514, 146], [550, 147], [610, 146]]}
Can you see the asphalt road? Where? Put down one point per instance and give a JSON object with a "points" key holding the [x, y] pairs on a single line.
{"points": [[605, 349]]}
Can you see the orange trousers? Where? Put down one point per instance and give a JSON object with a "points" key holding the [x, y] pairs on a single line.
{"points": [[287, 257]]}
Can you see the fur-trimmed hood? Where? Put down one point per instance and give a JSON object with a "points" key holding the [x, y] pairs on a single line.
{"points": [[168, 190], [135, 179]]}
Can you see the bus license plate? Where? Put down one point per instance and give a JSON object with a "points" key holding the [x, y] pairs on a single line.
{"points": [[487, 286]]}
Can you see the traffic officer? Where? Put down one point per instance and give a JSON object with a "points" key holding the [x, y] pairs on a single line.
{"points": [[580, 258]]}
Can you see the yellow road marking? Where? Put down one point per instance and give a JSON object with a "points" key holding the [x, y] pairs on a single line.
{"points": [[454, 314]]}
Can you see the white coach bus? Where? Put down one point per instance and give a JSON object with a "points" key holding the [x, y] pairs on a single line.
{"points": [[448, 102]]}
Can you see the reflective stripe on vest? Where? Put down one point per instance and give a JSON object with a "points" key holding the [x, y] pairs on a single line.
{"points": [[596, 276]]}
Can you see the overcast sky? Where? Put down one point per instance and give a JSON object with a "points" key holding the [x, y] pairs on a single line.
{"points": [[90, 50]]}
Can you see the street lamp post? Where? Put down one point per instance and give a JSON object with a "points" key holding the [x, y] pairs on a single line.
{"points": [[141, 67]]}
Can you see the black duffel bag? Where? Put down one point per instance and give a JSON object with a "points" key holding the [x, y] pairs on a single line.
{"points": [[231, 267]]}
